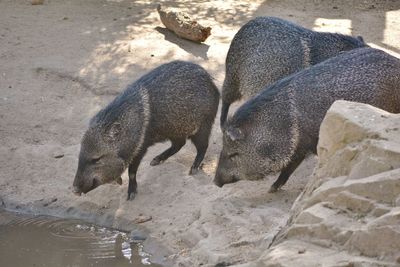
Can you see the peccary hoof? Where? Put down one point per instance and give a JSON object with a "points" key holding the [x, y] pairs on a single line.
{"points": [[156, 162], [273, 189], [193, 171], [131, 196]]}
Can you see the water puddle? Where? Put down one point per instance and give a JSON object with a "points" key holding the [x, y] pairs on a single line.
{"points": [[48, 241]]}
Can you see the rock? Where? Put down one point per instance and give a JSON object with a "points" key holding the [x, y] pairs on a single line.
{"points": [[138, 235], [182, 25], [357, 138], [349, 212], [286, 254]]}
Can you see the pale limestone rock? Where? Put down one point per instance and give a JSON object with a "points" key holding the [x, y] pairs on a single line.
{"points": [[356, 138]]}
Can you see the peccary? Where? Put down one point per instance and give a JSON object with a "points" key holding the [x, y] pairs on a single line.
{"points": [[267, 49], [275, 130], [175, 101]]}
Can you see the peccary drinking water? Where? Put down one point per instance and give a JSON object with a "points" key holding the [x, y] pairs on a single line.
{"points": [[267, 49], [276, 129], [175, 101]]}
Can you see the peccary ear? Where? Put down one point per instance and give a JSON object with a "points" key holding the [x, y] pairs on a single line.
{"points": [[115, 130], [234, 134]]}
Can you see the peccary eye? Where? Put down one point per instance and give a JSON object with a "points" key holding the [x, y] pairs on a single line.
{"points": [[233, 155]]}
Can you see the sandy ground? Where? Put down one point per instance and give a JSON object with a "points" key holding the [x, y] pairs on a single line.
{"points": [[62, 61]]}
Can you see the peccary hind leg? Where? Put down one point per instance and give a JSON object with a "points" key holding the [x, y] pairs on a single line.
{"points": [[175, 147], [286, 172], [200, 141]]}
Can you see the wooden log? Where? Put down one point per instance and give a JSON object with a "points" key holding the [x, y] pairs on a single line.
{"points": [[182, 25], [37, 2]]}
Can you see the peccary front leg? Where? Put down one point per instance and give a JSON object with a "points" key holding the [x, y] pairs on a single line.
{"points": [[175, 147], [286, 172], [224, 113], [200, 141], [132, 186]]}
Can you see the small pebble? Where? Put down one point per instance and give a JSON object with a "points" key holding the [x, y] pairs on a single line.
{"points": [[137, 235], [302, 251]]}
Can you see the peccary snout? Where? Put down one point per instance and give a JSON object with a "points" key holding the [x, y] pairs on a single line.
{"points": [[82, 185], [224, 173], [221, 179], [238, 160], [99, 162], [76, 191]]}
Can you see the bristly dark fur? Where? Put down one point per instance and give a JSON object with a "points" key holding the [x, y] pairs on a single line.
{"points": [[245, 112], [176, 101], [277, 128], [267, 49]]}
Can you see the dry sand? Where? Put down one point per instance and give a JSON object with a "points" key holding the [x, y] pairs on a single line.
{"points": [[60, 62]]}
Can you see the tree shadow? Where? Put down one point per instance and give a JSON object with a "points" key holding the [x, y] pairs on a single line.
{"points": [[196, 49], [130, 45]]}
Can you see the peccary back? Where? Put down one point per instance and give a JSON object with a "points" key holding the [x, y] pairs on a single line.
{"points": [[276, 129], [173, 102], [267, 49]]}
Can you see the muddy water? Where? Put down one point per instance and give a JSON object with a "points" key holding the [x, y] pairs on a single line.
{"points": [[47, 241]]}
